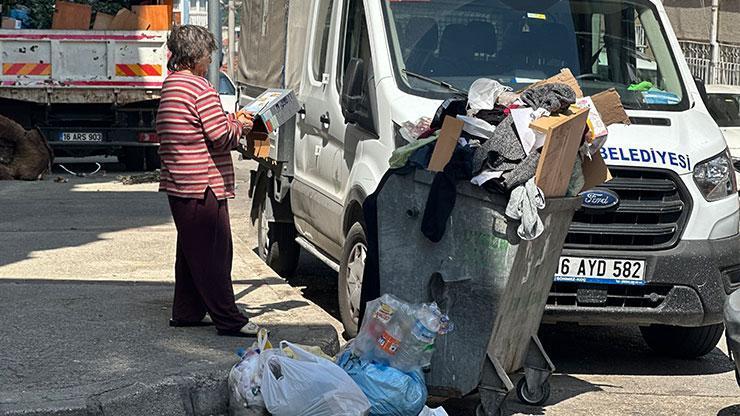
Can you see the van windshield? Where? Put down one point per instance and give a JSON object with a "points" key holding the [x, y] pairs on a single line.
{"points": [[442, 45], [725, 109]]}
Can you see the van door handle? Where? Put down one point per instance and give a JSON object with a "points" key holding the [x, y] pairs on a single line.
{"points": [[324, 119], [302, 111]]}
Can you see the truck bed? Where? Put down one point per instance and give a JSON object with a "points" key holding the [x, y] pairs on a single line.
{"points": [[65, 66]]}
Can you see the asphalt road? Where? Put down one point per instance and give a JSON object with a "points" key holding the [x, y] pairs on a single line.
{"points": [[601, 371]]}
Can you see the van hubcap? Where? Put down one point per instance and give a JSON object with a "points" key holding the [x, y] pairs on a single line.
{"points": [[355, 269]]}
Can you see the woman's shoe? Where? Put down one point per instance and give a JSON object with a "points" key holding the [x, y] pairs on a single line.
{"points": [[249, 330], [206, 321]]}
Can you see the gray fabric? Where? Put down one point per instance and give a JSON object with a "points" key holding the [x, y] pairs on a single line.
{"points": [[523, 204], [504, 144], [270, 55], [554, 98], [523, 171]]}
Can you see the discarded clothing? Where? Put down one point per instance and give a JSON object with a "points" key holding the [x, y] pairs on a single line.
{"points": [[523, 205], [477, 127], [412, 131], [494, 116], [443, 192], [505, 143], [577, 179], [483, 94], [554, 98], [400, 156], [452, 107], [523, 172]]}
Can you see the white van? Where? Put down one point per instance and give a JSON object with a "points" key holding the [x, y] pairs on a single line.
{"points": [[723, 102], [664, 260]]}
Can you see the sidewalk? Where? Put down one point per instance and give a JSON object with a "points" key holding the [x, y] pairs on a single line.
{"points": [[85, 292]]}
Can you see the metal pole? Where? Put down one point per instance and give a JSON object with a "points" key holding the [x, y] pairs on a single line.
{"points": [[713, 41], [214, 25], [185, 12], [232, 40]]}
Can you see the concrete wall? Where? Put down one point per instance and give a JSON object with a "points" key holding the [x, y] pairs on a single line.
{"points": [[691, 21]]}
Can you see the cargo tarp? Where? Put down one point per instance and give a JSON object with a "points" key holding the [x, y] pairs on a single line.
{"points": [[272, 42]]}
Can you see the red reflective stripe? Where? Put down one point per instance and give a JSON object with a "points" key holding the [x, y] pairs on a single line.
{"points": [[40, 69], [13, 69], [151, 70], [125, 70]]}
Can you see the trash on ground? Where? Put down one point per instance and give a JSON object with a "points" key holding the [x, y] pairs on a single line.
{"points": [[147, 177], [391, 392], [245, 377], [309, 386], [398, 334], [24, 154]]}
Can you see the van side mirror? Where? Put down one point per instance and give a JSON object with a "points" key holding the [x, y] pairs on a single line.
{"points": [[702, 89], [352, 89]]}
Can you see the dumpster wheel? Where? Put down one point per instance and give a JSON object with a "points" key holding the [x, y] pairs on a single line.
{"points": [[538, 398]]}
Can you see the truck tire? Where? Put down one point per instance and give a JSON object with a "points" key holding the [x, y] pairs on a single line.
{"points": [[681, 341], [151, 155], [133, 158], [276, 245], [351, 269]]}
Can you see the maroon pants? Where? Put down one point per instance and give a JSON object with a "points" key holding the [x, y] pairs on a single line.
{"points": [[203, 263]]}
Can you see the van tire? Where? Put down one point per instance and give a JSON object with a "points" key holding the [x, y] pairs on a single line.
{"points": [[276, 246], [133, 158], [354, 253], [681, 341]]}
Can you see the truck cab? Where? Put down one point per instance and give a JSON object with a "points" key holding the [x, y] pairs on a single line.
{"points": [[665, 259]]}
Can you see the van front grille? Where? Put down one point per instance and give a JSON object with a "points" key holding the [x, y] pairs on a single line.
{"points": [[595, 295], [653, 209]]}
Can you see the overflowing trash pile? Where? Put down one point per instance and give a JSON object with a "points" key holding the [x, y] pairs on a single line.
{"points": [[534, 144], [379, 373]]}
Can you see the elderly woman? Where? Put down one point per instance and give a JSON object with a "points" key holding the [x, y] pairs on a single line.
{"points": [[196, 138]]}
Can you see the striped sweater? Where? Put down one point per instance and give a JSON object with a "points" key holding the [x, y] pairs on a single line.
{"points": [[196, 139]]}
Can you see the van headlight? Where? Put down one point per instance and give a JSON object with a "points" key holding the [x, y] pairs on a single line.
{"points": [[715, 177]]}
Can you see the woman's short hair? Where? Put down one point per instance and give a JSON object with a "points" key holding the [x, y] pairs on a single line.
{"points": [[187, 45]]}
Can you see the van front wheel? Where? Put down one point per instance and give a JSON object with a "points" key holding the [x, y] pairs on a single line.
{"points": [[351, 269], [681, 341]]}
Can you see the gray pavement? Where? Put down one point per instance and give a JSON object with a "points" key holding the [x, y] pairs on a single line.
{"points": [[94, 257], [86, 274]]}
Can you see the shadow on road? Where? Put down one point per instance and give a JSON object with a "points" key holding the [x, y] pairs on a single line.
{"points": [[619, 351], [47, 215], [733, 410]]}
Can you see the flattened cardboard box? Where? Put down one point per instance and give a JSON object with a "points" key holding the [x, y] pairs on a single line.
{"points": [[273, 108]]}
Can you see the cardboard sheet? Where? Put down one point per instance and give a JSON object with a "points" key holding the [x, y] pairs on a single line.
{"points": [[125, 19], [564, 77], [445, 146], [152, 17], [71, 16], [609, 105], [595, 172], [564, 133], [273, 108], [102, 21]]}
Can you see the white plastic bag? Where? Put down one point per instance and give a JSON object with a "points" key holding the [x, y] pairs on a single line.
{"points": [[483, 94], [437, 411], [309, 386], [245, 377]]}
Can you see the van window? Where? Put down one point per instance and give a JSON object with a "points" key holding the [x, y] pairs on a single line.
{"points": [[321, 38], [606, 44], [355, 43], [725, 109]]}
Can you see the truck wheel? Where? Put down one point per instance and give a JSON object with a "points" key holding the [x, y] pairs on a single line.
{"points": [[132, 158], [151, 155], [276, 245], [351, 269], [681, 341]]}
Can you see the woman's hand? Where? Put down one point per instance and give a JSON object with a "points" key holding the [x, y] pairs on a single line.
{"points": [[247, 120]]}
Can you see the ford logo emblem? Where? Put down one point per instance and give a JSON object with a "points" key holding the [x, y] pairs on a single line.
{"points": [[599, 198]]}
